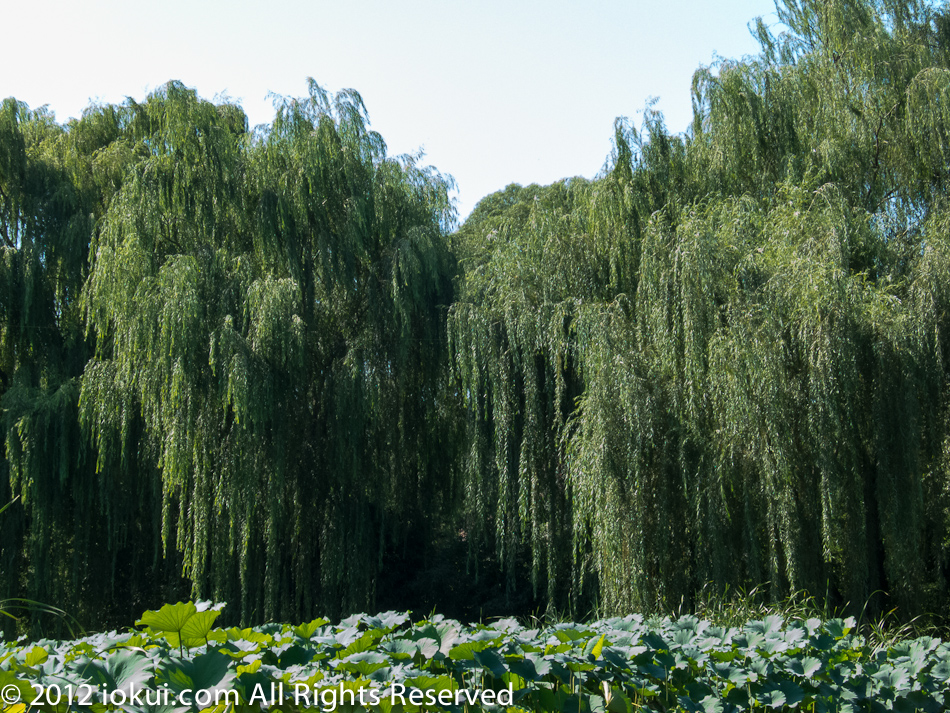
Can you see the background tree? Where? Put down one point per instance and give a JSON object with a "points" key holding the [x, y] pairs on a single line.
{"points": [[269, 305], [748, 322], [223, 355]]}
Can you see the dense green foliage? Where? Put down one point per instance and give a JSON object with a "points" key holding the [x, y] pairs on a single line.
{"points": [[726, 360], [180, 662], [258, 365], [237, 358]]}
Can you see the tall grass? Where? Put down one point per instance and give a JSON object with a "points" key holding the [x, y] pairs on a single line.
{"points": [[881, 632]]}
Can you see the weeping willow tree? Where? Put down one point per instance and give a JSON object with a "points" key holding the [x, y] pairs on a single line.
{"points": [[223, 356], [724, 360], [267, 311], [46, 202]]}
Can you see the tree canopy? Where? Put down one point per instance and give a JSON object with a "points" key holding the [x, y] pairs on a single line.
{"points": [[724, 361], [260, 322], [256, 365]]}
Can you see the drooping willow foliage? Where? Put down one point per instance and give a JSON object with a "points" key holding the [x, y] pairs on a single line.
{"points": [[255, 365], [258, 382], [47, 196], [725, 361]]}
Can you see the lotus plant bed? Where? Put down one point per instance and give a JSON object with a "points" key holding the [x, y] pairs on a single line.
{"points": [[177, 661]]}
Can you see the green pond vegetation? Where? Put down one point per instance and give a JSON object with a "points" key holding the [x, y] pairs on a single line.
{"points": [[266, 366], [178, 661]]}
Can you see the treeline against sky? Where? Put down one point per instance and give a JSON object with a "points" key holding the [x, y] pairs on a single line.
{"points": [[263, 366]]}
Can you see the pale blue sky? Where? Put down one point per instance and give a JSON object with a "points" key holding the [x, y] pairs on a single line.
{"points": [[495, 91]]}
